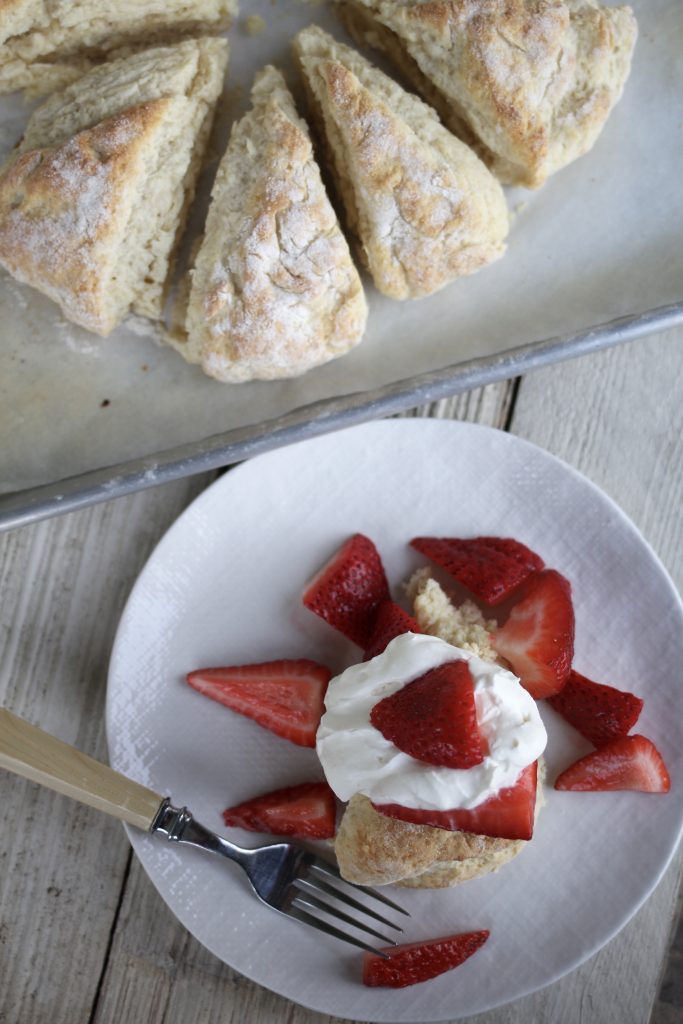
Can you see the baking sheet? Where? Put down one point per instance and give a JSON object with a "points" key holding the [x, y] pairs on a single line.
{"points": [[600, 240]]}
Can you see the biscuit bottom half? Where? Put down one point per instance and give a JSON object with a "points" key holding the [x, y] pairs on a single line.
{"points": [[373, 849]]}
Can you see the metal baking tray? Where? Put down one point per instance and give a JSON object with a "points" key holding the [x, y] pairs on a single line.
{"points": [[594, 259]]}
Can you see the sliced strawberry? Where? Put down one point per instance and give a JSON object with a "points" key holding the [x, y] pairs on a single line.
{"points": [[349, 588], [538, 637], [284, 696], [433, 718], [630, 762], [420, 961], [600, 713], [490, 567], [507, 815], [307, 810], [390, 622]]}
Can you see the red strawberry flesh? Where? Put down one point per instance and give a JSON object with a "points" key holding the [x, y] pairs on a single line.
{"points": [[307, 811], [630, 762], [284, 696], [390, 621], [349, 589], [599, 712], [420, 961], [433, 718], [509, 814], [538, 637], [491, 568]]}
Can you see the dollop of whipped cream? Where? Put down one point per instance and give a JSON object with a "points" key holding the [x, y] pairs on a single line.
{"points": [[356, 757]]}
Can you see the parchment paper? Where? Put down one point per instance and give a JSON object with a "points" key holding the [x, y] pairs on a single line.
{"points": [[601, 239]]}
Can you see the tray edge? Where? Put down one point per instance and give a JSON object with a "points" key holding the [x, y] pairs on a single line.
{"points": [[20, 508]]}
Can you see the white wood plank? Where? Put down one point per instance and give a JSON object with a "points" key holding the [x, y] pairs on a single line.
{"points": [[63, 584], [669, 1002], [489, 405]]}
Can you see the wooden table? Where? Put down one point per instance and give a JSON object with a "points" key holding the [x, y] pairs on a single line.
{"points": [[83, 935]]}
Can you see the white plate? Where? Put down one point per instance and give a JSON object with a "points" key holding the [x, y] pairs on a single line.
{"points": [[223, 587]]}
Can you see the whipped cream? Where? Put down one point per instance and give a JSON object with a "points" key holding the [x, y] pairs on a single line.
{"points": [[356, 757]]}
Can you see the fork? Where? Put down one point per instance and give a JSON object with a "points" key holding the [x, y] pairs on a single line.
{"points": [[284, 876]]}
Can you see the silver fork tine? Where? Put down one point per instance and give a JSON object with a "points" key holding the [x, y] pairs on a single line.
{"points": [[329, 869], [344, 897], [309, 898], [281, 873], [306, 899], [329, 929]]}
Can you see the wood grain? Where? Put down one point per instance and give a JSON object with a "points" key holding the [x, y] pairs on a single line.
{"points": [[62, 865]]}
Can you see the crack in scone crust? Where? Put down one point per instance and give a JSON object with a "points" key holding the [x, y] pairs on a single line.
{"points": [[274, 289], [426, 210], [46, 44], [530, 83]]}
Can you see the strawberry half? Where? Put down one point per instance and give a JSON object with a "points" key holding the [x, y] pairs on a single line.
{"points": [[490, 567], [284, 696], [630, 762], [538, 637], [507, 815], [307, 810], [349, 588], [600, 713], [419, 961], [390, 622], [433, 718]]}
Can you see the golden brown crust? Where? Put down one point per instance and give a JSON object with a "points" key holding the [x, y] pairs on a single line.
{"points": [[274, 290], [425, 208], [64, 210], [47, 44], [446, 874], [532, 80], [136, 199]]}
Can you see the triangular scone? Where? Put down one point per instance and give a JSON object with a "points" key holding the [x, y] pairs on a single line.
{"points": [[529, 83], [93, 201], [274, 290], [425, 208], [45, 44]]}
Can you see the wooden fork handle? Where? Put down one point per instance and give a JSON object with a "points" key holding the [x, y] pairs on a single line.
{"points": [[34, 754]]}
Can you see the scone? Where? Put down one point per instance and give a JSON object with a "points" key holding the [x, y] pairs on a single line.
{"points": [[424, 207], [45, 44], [463, 625], [274, 291], [93, 200], [375, 849], [529, 83]]}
